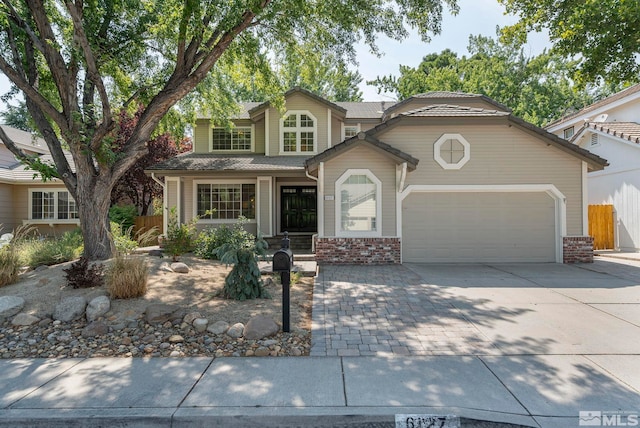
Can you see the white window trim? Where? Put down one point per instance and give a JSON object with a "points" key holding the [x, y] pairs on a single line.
{"points": [[251, 127], [438, 157], [342, 131], [54, 220], [215, 220], [338, 205], [297, 130]]}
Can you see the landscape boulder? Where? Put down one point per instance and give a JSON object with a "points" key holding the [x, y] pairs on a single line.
{"points": [[96, 328], [10, 305], [70, 308], [260, 327], [160, 313], [218, 327], [179, 267], [97, 307], [236, 331], [23, 319]]}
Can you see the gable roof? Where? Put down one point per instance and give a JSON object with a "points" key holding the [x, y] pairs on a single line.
{"points": [[299, 90], [357, 140], [444, 95], [628, 131], [448, 110], [618, 96], [25, 140]]}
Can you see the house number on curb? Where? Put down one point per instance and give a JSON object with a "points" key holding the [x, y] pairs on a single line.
{"points": [[427, 421]]}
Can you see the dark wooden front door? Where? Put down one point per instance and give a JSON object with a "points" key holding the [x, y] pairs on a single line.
{"points": [[298, 209]]}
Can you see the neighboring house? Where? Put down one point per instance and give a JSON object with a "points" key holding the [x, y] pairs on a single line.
{"points": [[25, 199], [611, 128], [439, 177]]}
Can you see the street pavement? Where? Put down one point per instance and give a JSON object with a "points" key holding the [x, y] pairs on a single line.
{"points": [[527, 344]]}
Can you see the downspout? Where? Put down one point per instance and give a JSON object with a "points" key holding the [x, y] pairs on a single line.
{"points": [[153, 176]]}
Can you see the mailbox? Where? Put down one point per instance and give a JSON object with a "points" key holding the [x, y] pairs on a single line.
{"points": [[282, 260]]}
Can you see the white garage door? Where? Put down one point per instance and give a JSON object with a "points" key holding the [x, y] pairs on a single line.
{"points": [[478, 227]]}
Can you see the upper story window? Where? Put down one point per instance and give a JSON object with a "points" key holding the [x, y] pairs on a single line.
{"points": [[350, 131], [568, 133], [52, 205], [359, 204], [451, 151], [236, 139], [298, 132]]}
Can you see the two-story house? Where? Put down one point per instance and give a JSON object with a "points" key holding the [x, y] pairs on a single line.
{"points": [[25, 198], [611, 128], [439, 177]]}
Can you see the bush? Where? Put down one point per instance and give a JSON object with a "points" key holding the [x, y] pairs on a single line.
{"points": [[37, 251], [9, 266], [127, 277], [210, 240], [244, 281], [124, 215], [81, 274], [180, 236], [122, 238]]}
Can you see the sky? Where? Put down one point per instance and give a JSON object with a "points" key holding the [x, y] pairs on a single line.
{"points": [[475, 17]]}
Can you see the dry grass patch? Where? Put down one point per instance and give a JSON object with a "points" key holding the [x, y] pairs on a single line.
{"points": [[9, 266], [127, 277]]}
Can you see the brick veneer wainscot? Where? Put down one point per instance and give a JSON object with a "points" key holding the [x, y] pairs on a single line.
{"points": [[577, 249], [361, 251]]}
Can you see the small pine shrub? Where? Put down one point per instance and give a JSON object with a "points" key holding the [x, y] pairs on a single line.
{"points": [[244, 281], [81, 274], [126, 277], [9, 266]]}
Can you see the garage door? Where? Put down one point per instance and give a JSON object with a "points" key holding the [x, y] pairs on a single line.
{"points": [[478, 227]]}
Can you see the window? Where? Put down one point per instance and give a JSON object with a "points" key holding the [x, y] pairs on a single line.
{"points": [[237, 139], [568, 133], [451, 151], [359, 204], [52, 205], [298, 132], [350, 131], [225, 201]]}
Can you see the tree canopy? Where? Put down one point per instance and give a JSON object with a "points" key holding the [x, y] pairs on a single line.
{"points": [[78, 63], [603, 35], [537, 89]]}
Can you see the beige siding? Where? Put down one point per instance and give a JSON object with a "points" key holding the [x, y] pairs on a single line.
{"points": [[381, 166], [336, 131], [478, 227], [201, 136], [7, 220], [299, 102], [20, 203], [259, 137], [499, 155], [172, 193]]}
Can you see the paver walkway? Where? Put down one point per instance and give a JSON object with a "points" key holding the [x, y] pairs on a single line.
{"points": [[387, 310]]}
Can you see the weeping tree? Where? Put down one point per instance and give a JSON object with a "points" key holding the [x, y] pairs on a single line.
{"points": [[78, 63]]}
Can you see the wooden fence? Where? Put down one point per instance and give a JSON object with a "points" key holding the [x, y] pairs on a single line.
{"points": [[145, 223], [601, 226]]}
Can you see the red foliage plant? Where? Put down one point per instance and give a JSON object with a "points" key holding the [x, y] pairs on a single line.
{"points": [[135, 187]]}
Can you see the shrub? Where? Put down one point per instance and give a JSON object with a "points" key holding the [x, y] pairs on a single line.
{"points": [[244, 281], [36, 251], [180, 236], [127, 277], [210, 240], [124, 215], [9, 265], [82, 274], [122, 238]]}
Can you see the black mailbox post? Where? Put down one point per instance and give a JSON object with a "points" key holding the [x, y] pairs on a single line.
{"points": [[283, 262]]}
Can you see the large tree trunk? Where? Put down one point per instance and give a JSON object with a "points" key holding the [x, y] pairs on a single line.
{"points": [[93, 209]]}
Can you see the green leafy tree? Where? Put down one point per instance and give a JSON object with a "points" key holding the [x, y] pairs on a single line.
{"points": [[603, 35], [538, 89], [79, 63], [18, 117]]}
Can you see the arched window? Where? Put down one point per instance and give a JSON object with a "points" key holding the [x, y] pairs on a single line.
{"points": [[298, 133], [359, 204]]}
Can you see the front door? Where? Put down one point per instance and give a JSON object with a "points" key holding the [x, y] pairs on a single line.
{"points": [[298, 209]]}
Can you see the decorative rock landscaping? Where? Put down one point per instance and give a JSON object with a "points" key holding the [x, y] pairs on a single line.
{"points": [[162, 331]]}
